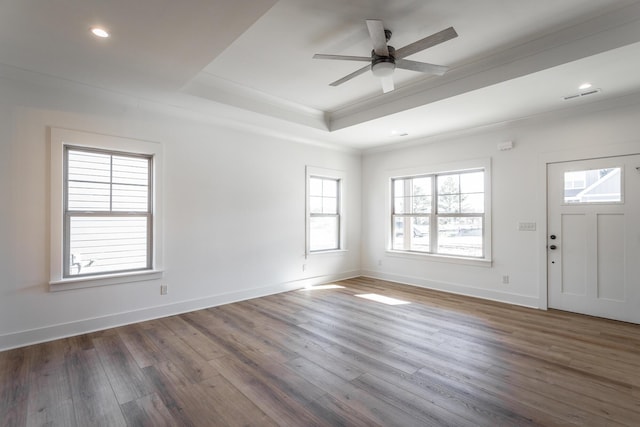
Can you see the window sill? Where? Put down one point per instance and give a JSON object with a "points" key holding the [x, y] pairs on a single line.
{"points": [[327, 252], [479, 262], [104, 280]]}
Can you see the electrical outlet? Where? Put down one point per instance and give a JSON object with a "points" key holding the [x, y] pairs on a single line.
{"points": [[379, 262], [505, 280], [304, 267], [163, 289]]}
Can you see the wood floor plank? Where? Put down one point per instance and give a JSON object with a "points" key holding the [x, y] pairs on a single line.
{"points": [[206, 348], [597, 407], [126, 378], [51, 355], [278, 400], [61, 414], [560, 376], [180, 359], [364, 347], [458, 373], [142, 348], [297, 340], [94, 401], [387, 324], [148, 411], [50, 398], [328, 358], [373, 407], [335, 365], [167, 392], [336, 413], [215, 401], [249, 331], [14, 388], [321, 377], [416, 404]]}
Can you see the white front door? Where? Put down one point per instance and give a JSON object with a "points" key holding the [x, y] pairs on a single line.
{"points": [[593, 239]]}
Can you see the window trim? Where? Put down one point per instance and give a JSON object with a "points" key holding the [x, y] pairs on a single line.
{"points": [[70, 214], [339, 176], [442, 169], [622, 174], [59, 140]]}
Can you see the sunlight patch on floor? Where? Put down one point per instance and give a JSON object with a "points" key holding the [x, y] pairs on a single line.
{"points": [[319, 287], [383, 299]]}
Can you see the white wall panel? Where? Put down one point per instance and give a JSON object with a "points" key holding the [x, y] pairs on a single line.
{"points": [[518, 195], [234, 211]]}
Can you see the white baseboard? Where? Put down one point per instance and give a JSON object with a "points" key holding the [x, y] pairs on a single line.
{"points": [[64, 330], [454, 288]]}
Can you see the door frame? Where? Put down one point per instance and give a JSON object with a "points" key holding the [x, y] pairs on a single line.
{"points": [[568, 155]]}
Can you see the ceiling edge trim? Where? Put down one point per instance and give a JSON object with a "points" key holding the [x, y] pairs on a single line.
{"points": [[213, 88], [561, 113], [180, 106]]}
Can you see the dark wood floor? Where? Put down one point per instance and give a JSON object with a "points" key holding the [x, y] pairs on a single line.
{"points": [[325, 357]]}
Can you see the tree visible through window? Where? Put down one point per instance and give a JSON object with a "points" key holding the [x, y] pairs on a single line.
{"points": [[439, 213], [107, 212]]}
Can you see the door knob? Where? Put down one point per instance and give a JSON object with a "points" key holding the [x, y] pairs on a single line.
{"points": [[553, 247]]}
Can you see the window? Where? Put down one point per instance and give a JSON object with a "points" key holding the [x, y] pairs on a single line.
{"points": [[440, 213], [324, 210], [594, 186], [575, 180], [105, 210], [107, 218]]}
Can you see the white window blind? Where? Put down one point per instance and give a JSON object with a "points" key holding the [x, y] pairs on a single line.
{"points": [[108, 214], [324, 214]]}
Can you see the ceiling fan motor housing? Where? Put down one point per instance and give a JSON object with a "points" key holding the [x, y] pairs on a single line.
{"points": [[383, 66], [383, 57]]}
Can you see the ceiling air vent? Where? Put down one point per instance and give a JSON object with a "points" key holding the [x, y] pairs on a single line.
{"points": [[581, 94]]}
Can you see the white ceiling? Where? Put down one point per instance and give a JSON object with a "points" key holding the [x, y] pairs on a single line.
{"points": [[251, 60]]}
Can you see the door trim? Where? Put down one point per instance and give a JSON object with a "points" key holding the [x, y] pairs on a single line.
{"points": [[569, 155]]}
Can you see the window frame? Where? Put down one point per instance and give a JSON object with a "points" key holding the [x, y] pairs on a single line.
{"points": [[69, 214], [339, 177], [621, 186], [60, 140], [434, 171]]}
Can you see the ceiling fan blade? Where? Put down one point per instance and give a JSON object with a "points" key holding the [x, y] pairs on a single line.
{"points": [[350, 76], [387, 83], [422, 67], [378, 38], [427, 42], [342, 57]]}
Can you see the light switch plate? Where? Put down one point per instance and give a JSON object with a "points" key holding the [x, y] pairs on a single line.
{"points": [[526, 226]]}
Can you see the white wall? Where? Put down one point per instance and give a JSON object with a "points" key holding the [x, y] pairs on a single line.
{"points": [[233, 213], [518, 191], [234, 207]]}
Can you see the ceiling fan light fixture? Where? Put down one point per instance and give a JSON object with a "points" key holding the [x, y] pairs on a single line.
{"points": [[384, 57], [383, 69], [99, 32]]}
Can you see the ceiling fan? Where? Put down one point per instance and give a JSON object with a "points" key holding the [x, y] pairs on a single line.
{"points": [[385, 59]]}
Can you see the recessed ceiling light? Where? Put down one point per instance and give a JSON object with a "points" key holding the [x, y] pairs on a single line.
{"points": [[584, 86], [99, 32]]}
